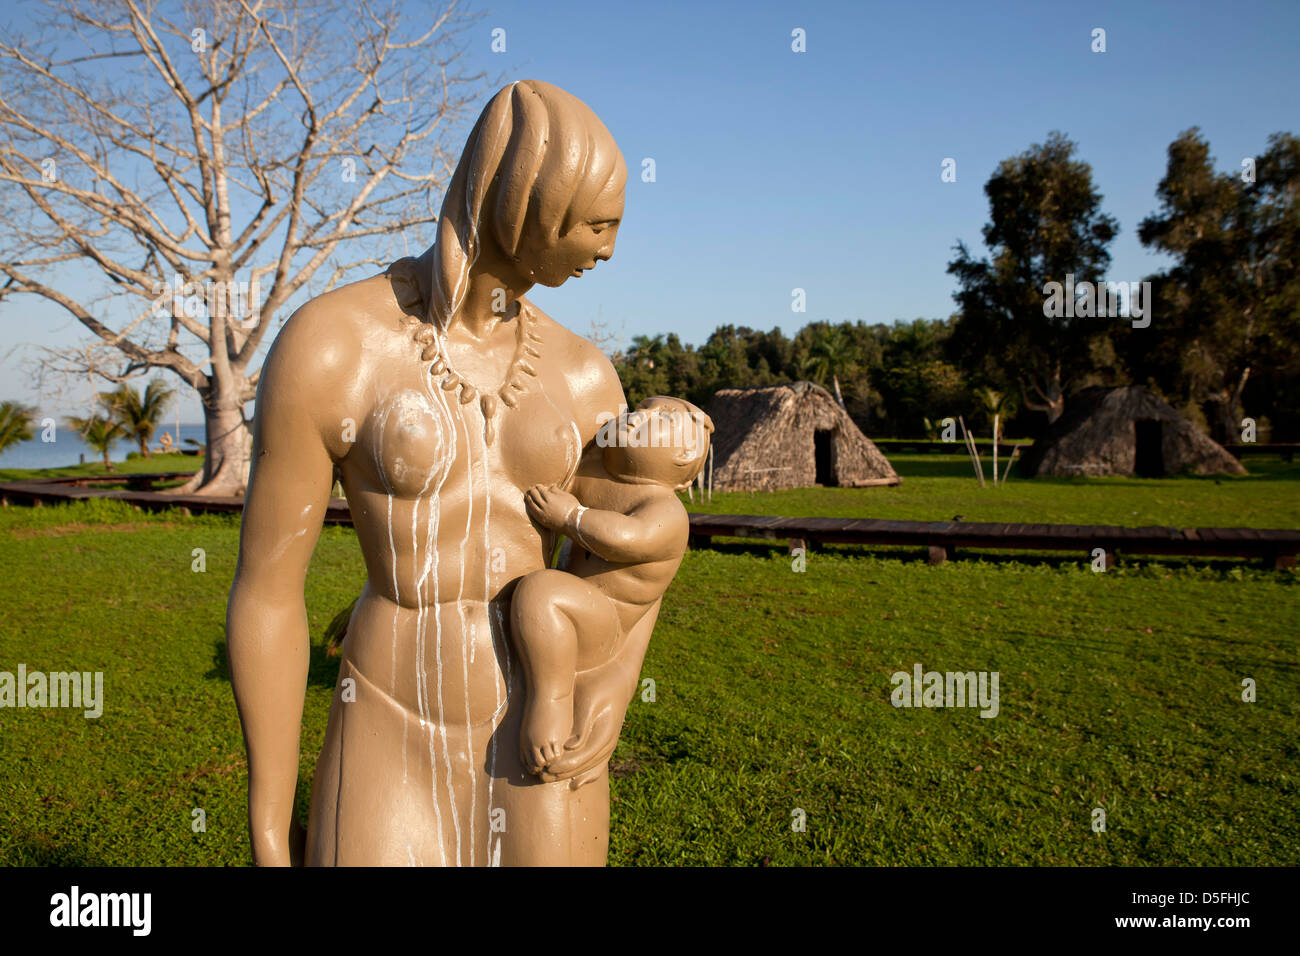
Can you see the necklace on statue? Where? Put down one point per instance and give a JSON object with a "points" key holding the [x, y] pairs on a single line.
{"points": [[433, 350]]}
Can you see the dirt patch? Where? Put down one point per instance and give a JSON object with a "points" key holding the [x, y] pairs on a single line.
{"points": [[77, 527], [618, 769]]}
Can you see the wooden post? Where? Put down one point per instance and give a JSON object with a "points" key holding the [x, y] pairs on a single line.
{"points": [[1010, 458], [970, 448], [710, 471], [995, 450]]}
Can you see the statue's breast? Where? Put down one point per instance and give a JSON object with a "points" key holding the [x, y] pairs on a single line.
{"points": [[418, 443], [539, 444], [413, 443]]}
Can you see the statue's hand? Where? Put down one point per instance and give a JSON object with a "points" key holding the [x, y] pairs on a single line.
{"points": [[549, 506], [601, 697]]}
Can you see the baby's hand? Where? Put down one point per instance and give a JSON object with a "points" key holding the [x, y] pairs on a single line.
{"points": [[549, 507]]}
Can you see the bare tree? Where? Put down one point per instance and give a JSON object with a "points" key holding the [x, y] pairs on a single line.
{"points": [[205, 165]]}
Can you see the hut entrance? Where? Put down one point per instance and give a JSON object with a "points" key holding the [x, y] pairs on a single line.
{"points": [[822, 458], [1148, 457]]}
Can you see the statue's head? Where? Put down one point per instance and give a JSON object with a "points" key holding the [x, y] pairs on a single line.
{"points": [[663, 441], [542, 179]]}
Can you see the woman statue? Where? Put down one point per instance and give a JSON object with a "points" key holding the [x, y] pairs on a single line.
{"points": [[439, 395]]}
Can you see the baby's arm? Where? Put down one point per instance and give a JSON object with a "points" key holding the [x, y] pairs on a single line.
{"points": [[653, 531]]}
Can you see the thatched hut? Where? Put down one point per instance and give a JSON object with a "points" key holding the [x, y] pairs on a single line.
{"points": [[1124, 431], [790, 436]]}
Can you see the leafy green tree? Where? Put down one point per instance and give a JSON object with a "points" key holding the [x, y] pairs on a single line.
{"points": [[16, 423], [833, 352], [889, 377], [992, 402], [99, 432], [1046, 222], [138, 412], [1230, 305]]}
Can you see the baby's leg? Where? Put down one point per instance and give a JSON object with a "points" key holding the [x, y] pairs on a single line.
{"points": [[558, 620]]}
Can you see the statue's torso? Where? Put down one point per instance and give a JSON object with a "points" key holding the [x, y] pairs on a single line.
{"points": [[440, 516]]}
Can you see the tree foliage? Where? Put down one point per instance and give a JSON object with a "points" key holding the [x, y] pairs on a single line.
{"points": [[1045, 223], [138, 412], [16, 423], [1228, 310]]}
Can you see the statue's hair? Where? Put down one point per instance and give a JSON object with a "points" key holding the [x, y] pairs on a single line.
{"points": [[530, 132]]}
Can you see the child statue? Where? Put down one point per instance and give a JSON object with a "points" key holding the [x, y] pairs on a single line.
{"points": [[629, 533]]}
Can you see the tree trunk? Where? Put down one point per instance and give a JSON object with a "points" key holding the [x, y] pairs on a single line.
{"points": [[1225, 426], [108, 462], [838, 397], [229, 447], [1053, 396]]}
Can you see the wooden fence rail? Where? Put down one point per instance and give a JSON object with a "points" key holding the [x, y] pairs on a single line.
{"points": [[939, 539]]}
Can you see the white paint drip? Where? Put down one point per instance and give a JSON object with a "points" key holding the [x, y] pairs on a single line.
{"points": [[464, 630], [495, 851], [435, 514], [284, 545], [392, 553]]}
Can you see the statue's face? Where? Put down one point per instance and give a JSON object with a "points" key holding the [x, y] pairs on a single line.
{"points": [[590, 239], [652, 441]]}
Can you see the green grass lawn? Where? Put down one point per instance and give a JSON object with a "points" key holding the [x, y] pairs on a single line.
{"points": [[1119, 690], [939, 487]]}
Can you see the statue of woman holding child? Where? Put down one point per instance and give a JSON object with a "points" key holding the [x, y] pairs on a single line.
{"points": [[462, 422]]}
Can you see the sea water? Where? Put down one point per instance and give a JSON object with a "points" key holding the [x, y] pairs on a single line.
{"points": [[68, 447]]}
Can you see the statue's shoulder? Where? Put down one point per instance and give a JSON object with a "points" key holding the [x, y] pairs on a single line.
{"points": [[331, 329], [565, 342], [588, 370], [326, 350]]}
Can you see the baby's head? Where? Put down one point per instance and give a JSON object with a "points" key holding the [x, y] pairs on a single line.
{"points": [[663, 441]]}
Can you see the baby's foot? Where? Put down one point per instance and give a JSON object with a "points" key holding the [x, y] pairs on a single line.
{"points": [[548, 721]]}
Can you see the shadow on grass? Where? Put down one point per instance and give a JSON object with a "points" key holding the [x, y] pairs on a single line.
{"points": [[910, 554], [322, 671], [39, 850]]}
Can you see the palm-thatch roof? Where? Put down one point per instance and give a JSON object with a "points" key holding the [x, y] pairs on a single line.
{"points": [[1124, 431], [790, 436]]}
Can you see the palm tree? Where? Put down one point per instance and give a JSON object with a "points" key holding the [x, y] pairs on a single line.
{"points": [[994, 403], [16, 423], [138, 414], [832, 351], [647, 349], [99, 432]]}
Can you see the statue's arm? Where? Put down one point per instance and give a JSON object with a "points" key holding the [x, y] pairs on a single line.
{"points": [[656, 531], [266, 620]]}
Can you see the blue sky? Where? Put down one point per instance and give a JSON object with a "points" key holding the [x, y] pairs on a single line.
{"points": [[821, 170]]}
